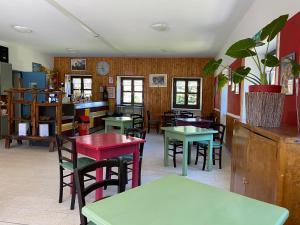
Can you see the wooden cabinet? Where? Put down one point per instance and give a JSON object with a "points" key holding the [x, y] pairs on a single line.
{"points": [[266, 166]]}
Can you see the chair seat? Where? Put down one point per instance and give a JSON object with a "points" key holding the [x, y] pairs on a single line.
{"points": [[91, 223], [81, 162], [204, 144]]}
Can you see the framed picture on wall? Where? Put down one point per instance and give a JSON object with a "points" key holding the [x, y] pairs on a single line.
{"points": [[111, 92], [232, 86], [110, 80], [78, 64], [286, 76], [158, 80], [237, 89]]}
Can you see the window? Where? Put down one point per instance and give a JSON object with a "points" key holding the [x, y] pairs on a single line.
{"points": [[186, 93], [132, 90], [81, 86]]}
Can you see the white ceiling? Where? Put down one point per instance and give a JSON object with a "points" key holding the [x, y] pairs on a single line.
{"points": [[196, 27]]}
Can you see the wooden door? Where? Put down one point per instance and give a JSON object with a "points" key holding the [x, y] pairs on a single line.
{"points": [[262, 168], [241, 137]]}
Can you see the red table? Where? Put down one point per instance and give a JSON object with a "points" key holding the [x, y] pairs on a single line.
{"points": [[109, 145]]}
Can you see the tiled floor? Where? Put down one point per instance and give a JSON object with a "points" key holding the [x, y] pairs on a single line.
{"points": [[29, 182]]}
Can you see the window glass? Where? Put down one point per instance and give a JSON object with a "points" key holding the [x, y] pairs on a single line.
{"points": [[76, 83], [132, 90]]}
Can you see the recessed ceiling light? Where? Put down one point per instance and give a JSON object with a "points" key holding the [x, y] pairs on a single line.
{"points": [[72, 50], [160, 26], [22, 29]]}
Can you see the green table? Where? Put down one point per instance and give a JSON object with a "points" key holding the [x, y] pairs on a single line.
{"points": [[176, 200], [188, 134], [122, 122]]}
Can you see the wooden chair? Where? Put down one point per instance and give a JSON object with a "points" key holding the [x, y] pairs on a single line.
{"points": [[169, 119], [202, 146], [68, 161], [83, 191], [128, 159], [152, 122], [137, 121]]}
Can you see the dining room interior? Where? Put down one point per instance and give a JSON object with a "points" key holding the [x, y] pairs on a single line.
{"points": [[149, 112]]}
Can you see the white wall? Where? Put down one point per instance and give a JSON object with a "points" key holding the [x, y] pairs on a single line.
{"points": [[260, 13], [21, 57]]}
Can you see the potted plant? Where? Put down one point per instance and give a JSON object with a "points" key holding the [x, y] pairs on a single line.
{"points": [[264, 102]]}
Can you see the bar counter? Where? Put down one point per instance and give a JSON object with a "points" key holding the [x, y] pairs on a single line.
{"points": [[72, 112]]}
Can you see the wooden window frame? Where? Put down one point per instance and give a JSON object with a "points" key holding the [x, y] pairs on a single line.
{"points": [[82, 84], [186, 93], [132, 79]]}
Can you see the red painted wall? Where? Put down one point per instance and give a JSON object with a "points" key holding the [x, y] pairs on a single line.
{"points": [[234, 100], [217, 95], [289, 43]]}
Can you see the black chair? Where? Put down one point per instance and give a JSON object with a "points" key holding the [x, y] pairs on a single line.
{"points": [[202, 146], [83, 191], [186, 114], [68, 161], [137, 121], [128, 159], [169, 119], [152, 122]]}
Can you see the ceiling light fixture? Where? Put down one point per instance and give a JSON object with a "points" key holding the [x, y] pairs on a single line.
{"points": [[22, 29], [160, 26], [72, 50]]}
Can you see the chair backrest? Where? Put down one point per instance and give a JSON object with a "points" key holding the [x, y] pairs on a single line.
{"points": [[66, 148], [137, 121], [186, 114], [139, 133], [83, 191], [221, 131]]}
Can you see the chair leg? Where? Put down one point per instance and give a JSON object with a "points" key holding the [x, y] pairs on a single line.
{"points": [[61, 179], [157, 128], [197, 156], [204, 159], [107, 175], [220, 158], [148, 128], [73, 195], [213, 156], [174, 155]]}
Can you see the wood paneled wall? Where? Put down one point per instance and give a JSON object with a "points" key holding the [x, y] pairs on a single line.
{"points": [[157, 100]]}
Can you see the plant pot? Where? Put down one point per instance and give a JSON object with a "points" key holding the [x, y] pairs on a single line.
{"points": [[264, 109], [265, 88]]}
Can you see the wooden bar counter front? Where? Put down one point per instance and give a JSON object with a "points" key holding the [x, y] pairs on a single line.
{"points": [[266, 166]]}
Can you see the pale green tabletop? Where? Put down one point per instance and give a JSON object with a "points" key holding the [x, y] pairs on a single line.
{"points": [[122, 122], [176, 200], [188, 134]]}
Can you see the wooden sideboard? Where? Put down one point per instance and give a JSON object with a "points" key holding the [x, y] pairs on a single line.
{"points": [[266, 166]]}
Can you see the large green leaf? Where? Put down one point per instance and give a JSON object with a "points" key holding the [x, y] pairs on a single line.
{"points": [[239, 74], [270, 61], [270, 31], [211, 67], [222, 81], [242, 49], [295, 68]]}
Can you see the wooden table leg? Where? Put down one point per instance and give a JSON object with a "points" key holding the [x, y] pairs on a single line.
{"points": [[185, 157], [99, 177]]}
